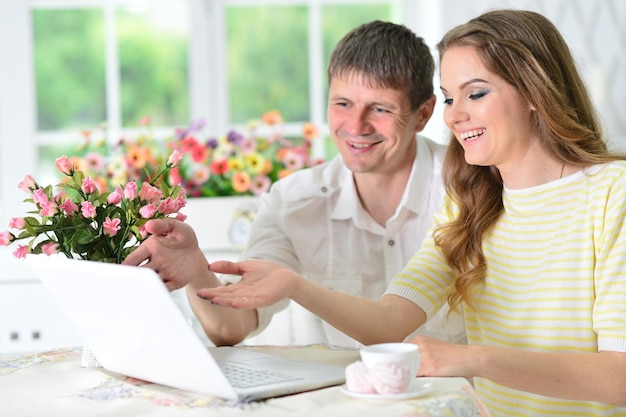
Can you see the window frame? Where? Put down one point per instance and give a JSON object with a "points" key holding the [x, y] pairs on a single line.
{"points": [[208, 95]]}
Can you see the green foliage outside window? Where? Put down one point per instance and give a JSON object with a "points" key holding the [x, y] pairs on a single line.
{"points": [[268, 65], [153, 70], [69, 47], [69, 68]]}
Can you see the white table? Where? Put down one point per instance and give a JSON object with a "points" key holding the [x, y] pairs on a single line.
{"points": [[53, 383]]}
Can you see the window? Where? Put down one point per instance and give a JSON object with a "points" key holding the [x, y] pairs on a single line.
{"points": [[82, 63]]}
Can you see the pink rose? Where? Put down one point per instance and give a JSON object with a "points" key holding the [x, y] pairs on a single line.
{"points": [[143, 232], [48, 209], [64, 165], [50, 248], [150, 193], [88, 210], [130, 190], [174, 158], [111, 227], [39, 196], [180, 201], [21, 252], [68, 207], [168, 206], [17, 223], [88, 185], [181, 216], [5, 238], [116, 196], [147, 211], [28, 184], [175, 177]]}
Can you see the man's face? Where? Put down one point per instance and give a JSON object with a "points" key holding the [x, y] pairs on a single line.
{"points": [[373, 128]]}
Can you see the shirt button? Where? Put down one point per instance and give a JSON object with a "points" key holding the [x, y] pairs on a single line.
{"points": [[324, 189], [391, 242]]}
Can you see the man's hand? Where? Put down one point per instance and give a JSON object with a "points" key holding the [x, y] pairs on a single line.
{"points": [[172, 251], [262, 284]]}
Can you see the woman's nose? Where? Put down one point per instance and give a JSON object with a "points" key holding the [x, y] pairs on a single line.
{"points": [[454, 114]]}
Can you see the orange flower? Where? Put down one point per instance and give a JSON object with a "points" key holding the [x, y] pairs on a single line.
{"points": [[272, 118], [283, 173], [309, 131], [137, 157], [101, 184], [241, 182]]}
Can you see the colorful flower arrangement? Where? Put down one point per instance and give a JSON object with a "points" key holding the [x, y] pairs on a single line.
{"points": [[107, 193], [85, 220], [240, 164], [229, 165]]}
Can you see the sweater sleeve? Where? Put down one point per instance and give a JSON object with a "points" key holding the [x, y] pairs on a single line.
{"points": [[609, 312], [427, 279]]}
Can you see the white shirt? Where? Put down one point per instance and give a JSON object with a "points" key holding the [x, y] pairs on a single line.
{"points": [[313, 223]]}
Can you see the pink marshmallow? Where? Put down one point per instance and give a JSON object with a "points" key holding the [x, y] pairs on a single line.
{"points": [[357, 378], [390, 378]]}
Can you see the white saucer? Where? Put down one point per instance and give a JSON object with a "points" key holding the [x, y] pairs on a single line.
{"points": [[417, 389]]}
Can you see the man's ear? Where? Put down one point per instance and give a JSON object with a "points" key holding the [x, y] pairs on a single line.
{"points": [[424, 112]]}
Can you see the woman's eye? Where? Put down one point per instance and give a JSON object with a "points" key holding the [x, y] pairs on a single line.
{"points": [[478, 95], [447, 101]]}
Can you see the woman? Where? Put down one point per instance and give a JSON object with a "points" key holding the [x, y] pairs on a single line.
{"points": [[530, 244]]}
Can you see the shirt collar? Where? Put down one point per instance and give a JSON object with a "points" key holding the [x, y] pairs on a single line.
{"points": [[415, 197], [417, 193]]}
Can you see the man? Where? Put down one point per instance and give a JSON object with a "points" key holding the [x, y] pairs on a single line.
{"points": [[350, 222]]}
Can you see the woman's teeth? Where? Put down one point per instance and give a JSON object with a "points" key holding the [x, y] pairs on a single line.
{"points": [[472, 134]]}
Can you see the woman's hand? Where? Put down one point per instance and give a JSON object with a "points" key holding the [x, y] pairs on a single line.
{"points": [[262, 284], [440, 358]]}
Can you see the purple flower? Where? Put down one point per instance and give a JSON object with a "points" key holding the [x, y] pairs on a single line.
{"points": [[197, 125], [212, 143], [234, 137]]}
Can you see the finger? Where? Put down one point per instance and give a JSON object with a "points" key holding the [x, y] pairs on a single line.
{"points": [[170, 285], [138, 256], [225, 267], [159, 227]]}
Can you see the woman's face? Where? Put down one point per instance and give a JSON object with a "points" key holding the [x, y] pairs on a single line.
{"points": [[488, 117]]}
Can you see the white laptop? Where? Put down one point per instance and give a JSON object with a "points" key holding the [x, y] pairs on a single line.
{"points": [[133, 326]]}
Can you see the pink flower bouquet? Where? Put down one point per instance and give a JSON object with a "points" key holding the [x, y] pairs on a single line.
{"points": [[84, 221]]}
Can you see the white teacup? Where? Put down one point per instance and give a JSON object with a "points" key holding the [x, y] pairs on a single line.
{"points": [[405, 354]]}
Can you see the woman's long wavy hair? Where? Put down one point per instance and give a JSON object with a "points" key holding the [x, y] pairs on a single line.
{"points": [[527, 51]]}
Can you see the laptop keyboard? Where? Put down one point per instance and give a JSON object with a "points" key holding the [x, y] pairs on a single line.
{"points": [[241, 376]]}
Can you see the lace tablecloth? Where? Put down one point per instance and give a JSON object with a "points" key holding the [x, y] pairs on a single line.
{"points": [[53, 383]]}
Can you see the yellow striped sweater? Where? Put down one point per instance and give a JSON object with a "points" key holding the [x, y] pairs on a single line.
{"points": [[556, 281]]}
